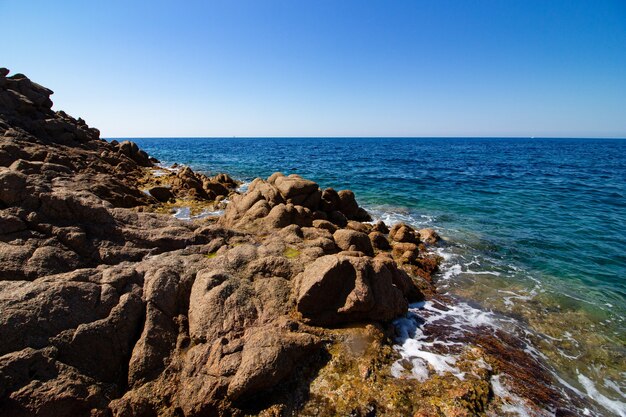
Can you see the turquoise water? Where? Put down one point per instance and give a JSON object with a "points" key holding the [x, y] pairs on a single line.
{"points": [[535, 228]]}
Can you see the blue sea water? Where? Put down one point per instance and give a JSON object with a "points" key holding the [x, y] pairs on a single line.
{"points": [[535, 228]]}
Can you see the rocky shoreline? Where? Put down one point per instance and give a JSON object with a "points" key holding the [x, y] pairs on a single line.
{"points": [[283, 305]]}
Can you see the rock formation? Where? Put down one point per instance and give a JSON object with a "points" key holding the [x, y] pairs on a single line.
{"points": [[109, 308]]}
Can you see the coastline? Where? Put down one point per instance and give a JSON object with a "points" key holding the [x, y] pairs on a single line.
{"points": [[243, 314]]}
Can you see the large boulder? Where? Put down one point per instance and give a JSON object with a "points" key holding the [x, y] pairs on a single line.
{"points": [[338, 289], [351, 240], [295, 187]]}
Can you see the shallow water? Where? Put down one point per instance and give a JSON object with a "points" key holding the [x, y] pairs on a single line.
{"points": [[535, 229]]}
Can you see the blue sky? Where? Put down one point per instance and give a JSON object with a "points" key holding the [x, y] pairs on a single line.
{"points": [[327, 68]]}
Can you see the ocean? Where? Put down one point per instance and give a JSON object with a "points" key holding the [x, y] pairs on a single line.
{"points": [[535, 229]]}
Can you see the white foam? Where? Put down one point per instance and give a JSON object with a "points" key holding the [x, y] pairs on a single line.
{"points": [[160, 172], [423, 350], [243, 187], [184, 213], [163, 169], [392, 215], [615, 406], [452, 271], [512, 403]]}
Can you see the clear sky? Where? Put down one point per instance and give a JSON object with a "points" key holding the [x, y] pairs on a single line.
{"points": [[327, 68]]}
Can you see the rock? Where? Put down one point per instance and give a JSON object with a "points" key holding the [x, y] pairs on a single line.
{"points": [[347, 204], [379, 241], [10, 224], [429, 236], [381, 227], [359, 227], [339, 289], [12, 186], [267, 357], [353, 241], [293, 187], [401, 232], [330, 200], [162, 194], [216, 188], [326, 225], [405, 252], [312, 202], [272, 178], [338, 218]]}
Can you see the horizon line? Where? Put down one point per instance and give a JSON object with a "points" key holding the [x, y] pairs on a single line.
{"points": [[365, 137]]}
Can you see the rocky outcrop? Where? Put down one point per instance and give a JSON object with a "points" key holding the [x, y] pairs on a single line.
{"points": [[280, 307], [284, 200], [348, 287]]}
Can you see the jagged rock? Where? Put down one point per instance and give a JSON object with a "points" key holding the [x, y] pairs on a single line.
{"points": [[406, 252]]}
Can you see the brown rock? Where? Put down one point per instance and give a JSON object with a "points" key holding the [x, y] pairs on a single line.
{"points": [[347, 204], [381, 227], [338, 218], [326, 225], [401, 232], [353, 240], [293, 187], [429, 236], [405, 252], [330, 200], [269, 355], [338, 289], [359, 227], [379, 241], [162, 194]]}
